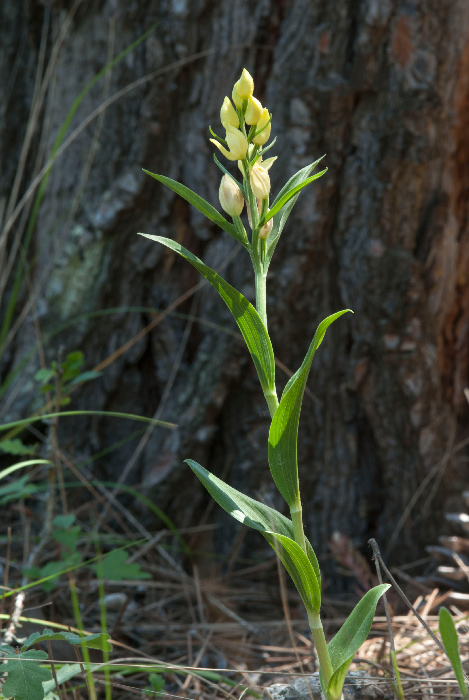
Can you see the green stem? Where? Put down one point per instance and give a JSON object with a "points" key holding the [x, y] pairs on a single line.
{"points": [[321, 646], [297, 520], [261, 295]]}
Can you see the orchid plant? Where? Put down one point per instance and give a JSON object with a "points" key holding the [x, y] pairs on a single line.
{"points": [[248, 128]]}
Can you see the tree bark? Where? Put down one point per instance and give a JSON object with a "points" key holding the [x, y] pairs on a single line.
{"points": [[381, 87]]}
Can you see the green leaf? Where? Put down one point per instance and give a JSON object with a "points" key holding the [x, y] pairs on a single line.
{"points": [[44, 375], [226, 172], [64, 521], [279, 203], [336, 681], [348, 640], [17, 490], [91, 641], [199, 203], [283, 434], [68, 537], [52, 571], [25, 676], [114, 567], [65, 673], [300, 569], [449, 636], [16, 447], [276, 528], [281, 217], [245, 315], [85, 377]]}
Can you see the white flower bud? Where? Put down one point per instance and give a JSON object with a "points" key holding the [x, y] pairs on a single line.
{"points": [[237, 143], [264, 136], [266, 229], [253, 111], [260, 181], [231, 198], [228, 113], [243, 89]]}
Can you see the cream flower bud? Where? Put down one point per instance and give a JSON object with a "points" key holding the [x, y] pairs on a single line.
{"points": [[264, 136], [266, 229], [260, 181], [237, 143], [231, 198], [243, 89], [228, 113], [253, 111]]}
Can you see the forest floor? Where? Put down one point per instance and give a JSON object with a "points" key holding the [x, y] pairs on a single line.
{"points": [[187, 624]]}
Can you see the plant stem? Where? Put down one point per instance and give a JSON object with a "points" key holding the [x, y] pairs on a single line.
{"points": [[297, 520], [321, 646], [261, 295]]}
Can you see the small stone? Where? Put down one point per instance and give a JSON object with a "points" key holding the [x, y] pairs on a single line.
{"points": [[358, 686]]}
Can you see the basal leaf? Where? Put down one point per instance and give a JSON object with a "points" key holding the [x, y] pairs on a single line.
{"points": [[356, 628], [200, 204], [245, 315], [283, 434], [288, 195], [336, 682], [92, 641], [281, 217], [276, 528], [449, 636], [25, 676]]}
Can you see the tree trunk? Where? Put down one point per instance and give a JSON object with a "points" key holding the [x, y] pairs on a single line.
{"points": [[382, 88]]}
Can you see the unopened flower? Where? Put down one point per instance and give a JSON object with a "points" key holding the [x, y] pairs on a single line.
{"points": [[266, 229], [243, 89], [253, 111], [237, 143], [260, 181], [264, 136], [228, 113], [266, 164], [231, 198]]}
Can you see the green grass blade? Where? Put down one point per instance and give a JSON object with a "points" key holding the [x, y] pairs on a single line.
{"points": [[40, 194], [449, 636], [200, 204], [276, 528], [398, 685], [22, 465], [245, 315], [109, 414], [283, 434]]}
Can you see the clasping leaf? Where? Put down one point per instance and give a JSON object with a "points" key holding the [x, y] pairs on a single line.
{"points": [[200, 204], [283, 434], [245, 315], [276, 528]]}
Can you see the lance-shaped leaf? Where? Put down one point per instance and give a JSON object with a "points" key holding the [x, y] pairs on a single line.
{"points": [[281, 217], [280, 201], [450, 640], [245, 315], [200, 204], [348, 640], [283, 434], [92, 641], [276, 528]]}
